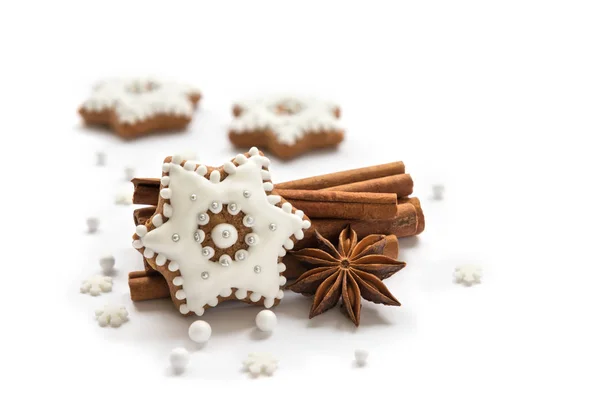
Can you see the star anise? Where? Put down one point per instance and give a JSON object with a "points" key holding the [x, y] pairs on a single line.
{"points": [[353, 270]]}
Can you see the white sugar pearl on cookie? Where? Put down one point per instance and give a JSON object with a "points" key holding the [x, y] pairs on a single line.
{"points": [[107, 264], [266, 320], [200, 331], [179, 359]]}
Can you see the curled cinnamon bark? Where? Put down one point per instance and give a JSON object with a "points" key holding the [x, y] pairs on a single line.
{"points": [[345, 177], [401, 185], [343, 205]]}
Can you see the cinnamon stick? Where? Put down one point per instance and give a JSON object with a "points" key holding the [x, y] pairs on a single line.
{"points": [[337, 204], [147, 285], [401, 185], [409, 221], [345, 177]]}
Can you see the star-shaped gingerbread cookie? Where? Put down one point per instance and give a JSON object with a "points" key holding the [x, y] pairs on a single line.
{"points": [[220, 233], [136, 107], [287, 125]]}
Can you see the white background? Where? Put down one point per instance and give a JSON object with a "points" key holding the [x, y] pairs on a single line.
{"points": [[497, 100]]}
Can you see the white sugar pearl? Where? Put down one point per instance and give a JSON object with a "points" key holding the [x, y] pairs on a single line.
{"points": [[100, 158], [361, 357], [179, 359], [200, 331], [266, 320], [107, 264], [92, 224], [438, 191], [129, 173]]}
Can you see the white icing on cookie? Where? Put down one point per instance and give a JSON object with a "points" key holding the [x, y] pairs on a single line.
{"points": [[288, 117], [135, 100], [179, 241]]}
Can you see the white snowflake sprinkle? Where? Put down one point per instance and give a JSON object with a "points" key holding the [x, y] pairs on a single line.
{"points": [[96, 285], [468, 274], [112, 315], [257, 363]]}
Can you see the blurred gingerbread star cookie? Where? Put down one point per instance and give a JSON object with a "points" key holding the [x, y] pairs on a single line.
{"points": [[287, 125], [135, 107]]}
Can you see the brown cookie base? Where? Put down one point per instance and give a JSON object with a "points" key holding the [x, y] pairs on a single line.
{"points": [[267, 139], [157, 123]]}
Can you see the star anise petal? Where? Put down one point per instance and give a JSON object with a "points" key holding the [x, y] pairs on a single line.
{"points": [[347, 241], [373, 289], [316, 257], [372, 244], [327, 246], [351, 298], [309, 282], [379, 265], [327, 295]]}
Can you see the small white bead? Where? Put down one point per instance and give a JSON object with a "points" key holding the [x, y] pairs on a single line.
{"points": [[201, 170], [361, 357], [225, 260], [141, 230], [129, 173], [208, 252], [273, 227], [438, 192], [165, 193], [107, 264], [248, 221], [193, 197], [215, 176], [266, 320], [251, 239], [247, 194], [179, 359], [148, 253], [200, 331], [241, 255], [92, 224], [203, 218], [100, 158], [204, 275], [255, 297], [233, 208]]}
